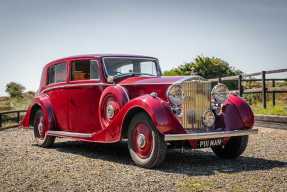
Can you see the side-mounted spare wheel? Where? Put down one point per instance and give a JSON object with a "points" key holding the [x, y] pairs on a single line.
{"points": [[146, 145], [233, 149], [40, 129]]}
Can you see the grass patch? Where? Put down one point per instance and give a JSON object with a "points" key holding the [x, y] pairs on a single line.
{"points": [[194, 185], [279, 109], [20, 103]]}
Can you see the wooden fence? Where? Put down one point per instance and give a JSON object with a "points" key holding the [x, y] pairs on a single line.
{"points": [[9, 119], [263, 89], [12, 118]]}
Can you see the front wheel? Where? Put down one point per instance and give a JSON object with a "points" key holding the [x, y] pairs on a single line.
{"points": [[233, 149], [146, 145], [40, 136]]}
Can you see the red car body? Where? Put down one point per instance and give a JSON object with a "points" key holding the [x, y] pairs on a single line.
{"points": [[77, 108]]}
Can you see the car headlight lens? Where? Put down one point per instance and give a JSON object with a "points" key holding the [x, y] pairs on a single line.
{"points": [[175, 95], [110, 111], [208, 119], [220, 93]]}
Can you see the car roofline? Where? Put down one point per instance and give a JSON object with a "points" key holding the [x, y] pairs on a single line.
{"points": [[100, 56]]}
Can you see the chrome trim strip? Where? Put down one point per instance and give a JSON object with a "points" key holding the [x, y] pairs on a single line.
{"points": [[209, 135], [69, 134], [73, 85]]}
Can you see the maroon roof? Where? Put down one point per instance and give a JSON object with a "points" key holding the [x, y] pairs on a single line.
{"points": [[100, 55]]}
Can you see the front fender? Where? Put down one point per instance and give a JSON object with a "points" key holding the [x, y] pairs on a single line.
{"points": [[159, 112], [237, 113], [45, 105], [156, 108]]}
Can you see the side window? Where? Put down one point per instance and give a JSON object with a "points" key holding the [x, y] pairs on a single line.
{"points": [[148, 67], [84, 70], [94, 69], [57, 73], [51, 75]]}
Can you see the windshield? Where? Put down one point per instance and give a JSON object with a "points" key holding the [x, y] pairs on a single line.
{"points": [[130, 66]]}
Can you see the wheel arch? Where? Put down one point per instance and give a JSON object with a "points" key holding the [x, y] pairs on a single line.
{"points": [[128, 118], [120, 96], [33, 111], [40, 103], [156, 109]]}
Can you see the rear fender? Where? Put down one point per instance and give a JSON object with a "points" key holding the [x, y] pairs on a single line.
{"points": [[45, 105]]}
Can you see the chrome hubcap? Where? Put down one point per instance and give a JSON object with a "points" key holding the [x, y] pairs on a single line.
{"points": [[141, 140], [40, 126]]}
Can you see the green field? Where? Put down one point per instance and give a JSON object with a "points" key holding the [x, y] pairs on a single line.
{"points": [[7, 103], [279, 109]]}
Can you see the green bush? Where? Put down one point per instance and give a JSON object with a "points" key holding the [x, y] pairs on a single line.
{"points": [[15, 89], [207, 67]]}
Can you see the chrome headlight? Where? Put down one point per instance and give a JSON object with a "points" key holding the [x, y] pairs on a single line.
{"points": [[110, 111], [208, 119], [175, 95], [220, 93]]}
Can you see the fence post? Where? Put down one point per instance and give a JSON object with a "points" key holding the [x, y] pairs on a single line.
{"points": [[0, 120], [18, 117], [273, 93], [264, 89], [240, 88], [219, 80]]}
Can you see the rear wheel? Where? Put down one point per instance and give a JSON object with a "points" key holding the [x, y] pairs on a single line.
{"points": [[146, 145], [40, 136], [233, 149]]}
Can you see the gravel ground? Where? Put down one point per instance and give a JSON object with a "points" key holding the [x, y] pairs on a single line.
{"points": [[77, 166]]}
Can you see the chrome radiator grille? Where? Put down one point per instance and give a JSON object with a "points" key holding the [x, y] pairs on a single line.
{"points": [[196, 101]]}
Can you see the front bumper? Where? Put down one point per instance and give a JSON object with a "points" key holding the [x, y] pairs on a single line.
{"points": [[209, 135]]}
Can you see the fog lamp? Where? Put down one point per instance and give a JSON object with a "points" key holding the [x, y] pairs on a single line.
{"points": [[208, 119]]}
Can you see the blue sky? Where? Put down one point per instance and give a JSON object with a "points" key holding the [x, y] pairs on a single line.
{"points": [[250, 35]]}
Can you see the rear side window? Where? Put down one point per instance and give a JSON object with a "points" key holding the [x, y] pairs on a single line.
{"points": [[57, 73], [84, 70]]}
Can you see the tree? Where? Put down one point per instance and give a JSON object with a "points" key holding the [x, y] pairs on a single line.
{"points": [[15, 89], [207, 67]]}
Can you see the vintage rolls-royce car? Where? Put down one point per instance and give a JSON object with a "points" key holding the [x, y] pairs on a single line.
{"points": [[110, 98]]}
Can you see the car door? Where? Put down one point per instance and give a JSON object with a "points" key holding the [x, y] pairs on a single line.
{"points": [[55, 89], [84, 94]]}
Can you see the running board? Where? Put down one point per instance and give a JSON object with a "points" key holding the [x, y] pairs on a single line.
{"points": [[209, 135], [69, 134]]}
